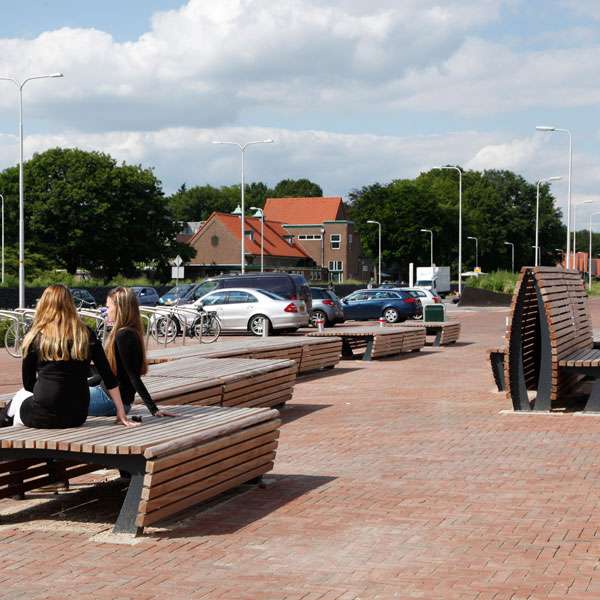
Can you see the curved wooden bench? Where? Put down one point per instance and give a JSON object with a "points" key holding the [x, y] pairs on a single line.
{"points": [[174, 463], [550, 341]]}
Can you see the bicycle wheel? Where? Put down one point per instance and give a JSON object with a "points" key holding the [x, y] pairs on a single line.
{"points": [[13, 339], [164, 330], [207, 329]]}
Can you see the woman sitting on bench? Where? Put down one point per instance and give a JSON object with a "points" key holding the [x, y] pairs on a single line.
{"points": [[126, 355], [57, 353]]}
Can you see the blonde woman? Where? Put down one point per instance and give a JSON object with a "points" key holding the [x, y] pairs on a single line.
{"points": [[57, 352], [126, 355]]}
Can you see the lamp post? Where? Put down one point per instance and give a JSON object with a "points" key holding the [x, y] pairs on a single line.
{"points": [[459, 226], [512, 247], [322, 247], [537, 214], [547, 128], [379, 226], [2, 197], [242, 148], [260, 213], [476, 249], [431, 244], [590, 254], [20, 85]]}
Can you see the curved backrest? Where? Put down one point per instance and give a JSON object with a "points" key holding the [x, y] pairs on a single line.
{"points": [[549, 321]]}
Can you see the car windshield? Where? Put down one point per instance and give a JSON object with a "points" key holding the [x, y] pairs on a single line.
{"points": [[179, 290], [271, 295]]}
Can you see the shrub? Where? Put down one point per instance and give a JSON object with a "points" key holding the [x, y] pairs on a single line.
{"points": [[498, 281]]}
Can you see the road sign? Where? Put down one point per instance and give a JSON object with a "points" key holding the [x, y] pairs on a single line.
{"points": [[177, 272], [178, 260]]}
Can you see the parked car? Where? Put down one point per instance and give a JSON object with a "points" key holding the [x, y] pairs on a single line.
{"points": [[243, 309], [393, 305], [291, 287], [327, 306], [176, 294], [83, 298], [146, 296], [426, 296]]}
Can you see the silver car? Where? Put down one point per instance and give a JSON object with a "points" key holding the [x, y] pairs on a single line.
{"points": [[243, 309], [326, 306]]}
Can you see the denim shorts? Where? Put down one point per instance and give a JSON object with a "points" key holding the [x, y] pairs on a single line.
{"points": [[101, 404]]}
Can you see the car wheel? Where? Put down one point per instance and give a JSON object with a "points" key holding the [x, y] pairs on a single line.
{"points": [[317, 315], [391, 315], [418, 317], [256, 323]]}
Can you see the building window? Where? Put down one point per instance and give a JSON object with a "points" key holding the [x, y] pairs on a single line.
{"points": [[336, 241], [336, 265], [350, 240], [250, 234], [309, 236]]}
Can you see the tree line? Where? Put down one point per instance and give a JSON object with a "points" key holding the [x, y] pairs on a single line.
{"points": [[84, 210]]}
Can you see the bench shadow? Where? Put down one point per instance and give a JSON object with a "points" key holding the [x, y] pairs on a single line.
{"points": [[323, 373], [238, 508], [292, 411]]}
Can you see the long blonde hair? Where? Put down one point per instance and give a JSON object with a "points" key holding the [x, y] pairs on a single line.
{"points": [[58, 331], [127, 314]]}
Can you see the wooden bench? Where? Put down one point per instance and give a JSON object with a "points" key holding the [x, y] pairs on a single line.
{"points": [[236, 382], [310, 354], [377, 341], [550, 341], [174, 463], [445, 332]]}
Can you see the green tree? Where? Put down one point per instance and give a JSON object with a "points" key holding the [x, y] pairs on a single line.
{"points": [[298, 188], [198, 202], [84, 210]]}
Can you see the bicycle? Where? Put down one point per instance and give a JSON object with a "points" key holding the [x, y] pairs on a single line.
{"points": [[166, 326], [21, 322]]}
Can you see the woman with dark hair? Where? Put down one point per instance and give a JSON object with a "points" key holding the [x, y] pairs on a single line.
{"points": [[126, 353], [57, 352]]}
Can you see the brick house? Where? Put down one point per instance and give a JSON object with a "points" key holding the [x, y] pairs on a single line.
{"points": [[217, 244], [323, 229]]}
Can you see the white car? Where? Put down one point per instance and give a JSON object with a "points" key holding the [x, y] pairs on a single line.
{"points": [[243, 309], [425, 295]]}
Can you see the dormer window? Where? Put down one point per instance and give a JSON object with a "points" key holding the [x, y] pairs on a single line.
{"points": [[250, 234]]}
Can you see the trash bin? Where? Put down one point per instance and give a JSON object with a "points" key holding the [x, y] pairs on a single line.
{"points": [[434, 313]]}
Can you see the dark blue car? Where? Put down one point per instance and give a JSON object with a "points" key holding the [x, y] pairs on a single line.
{"points": [[393, 305]]}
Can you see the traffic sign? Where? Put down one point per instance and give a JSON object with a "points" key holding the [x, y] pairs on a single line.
{"points": [[178, 260]]}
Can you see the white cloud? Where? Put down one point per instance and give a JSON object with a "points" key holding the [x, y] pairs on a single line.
{"points": [[204, 63]]}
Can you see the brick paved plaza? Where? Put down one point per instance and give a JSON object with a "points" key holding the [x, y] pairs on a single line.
{"points": [[394, 479]]}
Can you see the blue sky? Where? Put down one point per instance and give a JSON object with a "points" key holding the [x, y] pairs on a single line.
{"points": [[353, 92]]}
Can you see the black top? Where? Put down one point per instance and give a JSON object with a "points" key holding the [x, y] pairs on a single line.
{"points": [[60, 389], [129, 357]]}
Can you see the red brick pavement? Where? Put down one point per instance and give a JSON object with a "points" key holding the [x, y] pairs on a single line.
{"points": [[394, 479]]}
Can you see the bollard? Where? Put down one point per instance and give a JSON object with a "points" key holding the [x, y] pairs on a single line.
{"points": [[381, 321], [320, 324], [265, 329]]}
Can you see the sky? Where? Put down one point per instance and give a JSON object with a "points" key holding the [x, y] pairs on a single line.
{"points": [[353, 92]]}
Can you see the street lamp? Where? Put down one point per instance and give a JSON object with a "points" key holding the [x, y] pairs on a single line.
{"points": [[547, 128], [242, 148], [379, 226], [575, 205], [20, 85], [459, 226], [476, 249], [512, 247], [590, 255], [537, 214], [1, 196], [260, 213], [431, 244]]}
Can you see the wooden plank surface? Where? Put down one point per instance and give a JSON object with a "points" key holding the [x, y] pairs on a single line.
{"points": [[103, 435]]}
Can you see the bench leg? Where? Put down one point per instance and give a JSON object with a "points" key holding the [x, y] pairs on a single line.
{"points": [[593, 403], [497, 360], [347, 350], [369, 349], [128, 514]]}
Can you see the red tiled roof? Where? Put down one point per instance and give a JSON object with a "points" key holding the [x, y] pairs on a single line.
{"points": [[274, 244], [304, 211]]}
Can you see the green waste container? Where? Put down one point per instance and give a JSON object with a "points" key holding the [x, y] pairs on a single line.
{"points": [[434, 312]]}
